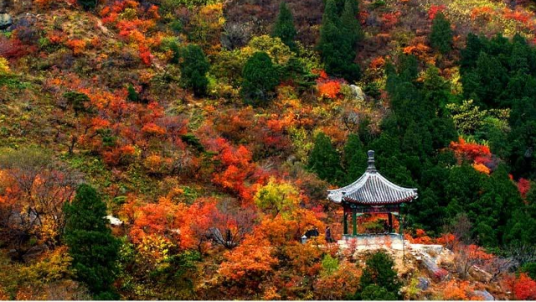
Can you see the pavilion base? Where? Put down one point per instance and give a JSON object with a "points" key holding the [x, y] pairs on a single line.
{"points": [[373, 241]]}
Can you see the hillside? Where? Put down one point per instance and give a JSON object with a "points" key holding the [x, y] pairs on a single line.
{"points": [[208, 133]]}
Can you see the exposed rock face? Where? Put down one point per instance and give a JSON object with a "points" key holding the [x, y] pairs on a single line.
{"points": [[5, 20], [424, 283], [357, 93], [484, 294]]}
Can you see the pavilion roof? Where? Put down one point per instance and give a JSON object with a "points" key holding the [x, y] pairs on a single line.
{"points": [[373, 189]]}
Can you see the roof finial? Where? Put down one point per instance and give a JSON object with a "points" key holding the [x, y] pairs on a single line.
{"points": [[371, 168]]}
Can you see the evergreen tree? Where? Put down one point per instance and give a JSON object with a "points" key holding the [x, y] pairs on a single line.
{"points": [[260, 79], [350, 26], [88, 4], [194, 67], [284, 27], [132, 96], [324, 159], [91, 245], [379, 279], [355, 158], [338, 38], [441, 35]]}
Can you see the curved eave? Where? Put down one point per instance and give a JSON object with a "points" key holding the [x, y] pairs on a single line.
{"points": [[345, 193], [380, 203]]}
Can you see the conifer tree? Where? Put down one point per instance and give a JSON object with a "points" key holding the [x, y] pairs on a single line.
{"points": [[91, 245], [88, 4], [441, 35], [260, 79], [379, 279], [355, 158], [284, 27], [338, 38], [324, 159], [194, 67]]}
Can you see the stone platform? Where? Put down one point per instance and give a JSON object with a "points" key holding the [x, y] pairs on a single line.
{"points": [[373, 241]]}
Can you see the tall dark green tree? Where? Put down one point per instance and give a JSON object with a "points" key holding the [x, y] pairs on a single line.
{"points": [[88, 4], [260, 77], [355, 158], [194, 67], [284, 27], [324, 160], [91, 245], [441, 35], [379, 280], [338, 38]]}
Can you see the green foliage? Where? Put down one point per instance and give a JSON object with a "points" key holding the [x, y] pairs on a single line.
{"points": [[324, 159], [260, 79], [88, 4], [339, 35], [133, 95], [530, 269], [441, 35], [379, 280], [91, 245], [355, 158], [194, 67], [284, 27], [277, 198], [79, 101], [329, 265]]}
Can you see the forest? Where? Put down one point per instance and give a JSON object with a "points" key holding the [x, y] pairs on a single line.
{"points": [[181, 149]]}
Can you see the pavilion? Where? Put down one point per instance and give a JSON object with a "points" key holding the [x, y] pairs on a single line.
{"points": [[371, 194]]}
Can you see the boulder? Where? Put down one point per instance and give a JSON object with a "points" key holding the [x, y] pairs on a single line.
{"points": [[484, 294], [424, 283], [357, 93], [5, 20]]}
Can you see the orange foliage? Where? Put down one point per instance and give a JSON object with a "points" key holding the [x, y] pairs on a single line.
{"points": [[484, 12], [377, 63], [455, 290], [479, 154], [481, 168], [517, 15], [329, 89], [78, 46], [249, 261]]}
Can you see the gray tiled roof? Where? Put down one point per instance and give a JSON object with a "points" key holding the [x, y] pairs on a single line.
{"points": [[373, 189]]}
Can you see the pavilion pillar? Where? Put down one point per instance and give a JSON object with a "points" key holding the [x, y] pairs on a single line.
{"points": [[354, 221], [390, 215], [345, 222]]}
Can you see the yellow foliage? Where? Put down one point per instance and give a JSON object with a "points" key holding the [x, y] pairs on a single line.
{"points": [[4, 66]]}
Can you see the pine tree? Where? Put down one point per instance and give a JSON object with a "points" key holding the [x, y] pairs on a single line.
{"points": [[88, 4], [260, 79], [355, 158], [91, 245], [324, 159], [132, 94], [350, 27], [194, 67], [338, 38], [441, 35], [284, 27], [380, 275]]}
